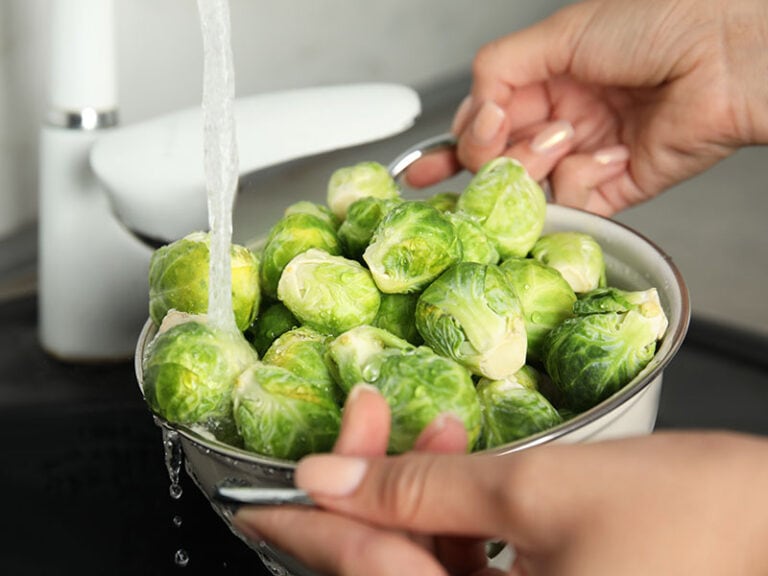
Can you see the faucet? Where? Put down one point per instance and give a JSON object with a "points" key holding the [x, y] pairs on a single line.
{"points": [[109, 194]]}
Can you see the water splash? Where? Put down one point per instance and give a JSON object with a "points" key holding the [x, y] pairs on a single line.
{"points": [[174, 458]]}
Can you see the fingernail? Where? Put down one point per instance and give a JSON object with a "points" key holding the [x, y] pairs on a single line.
{"points": [[552, 137], [359, 389], [462, 112], [611, 155], [487, 123], [438, 425], [241, 525], [330, 474]]}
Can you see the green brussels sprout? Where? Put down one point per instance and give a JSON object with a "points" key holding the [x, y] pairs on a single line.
{"points": [[363, 217], [646, 302], [189, 372], [328, 293], [577, 256], [471, 314], [320, 210], [292, 235], [351, 183], [273, 321], [546, 298], [508, 203], [353, 351], [178, 279], [512, 410], [419, 385], [282, 415], [591, 357], [397, 314], [413, 244], [475, 244], [303, 351], [444, 201]]}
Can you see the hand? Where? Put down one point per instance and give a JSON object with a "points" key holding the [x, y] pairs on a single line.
{"points": [[667, 504], [616, 100]]}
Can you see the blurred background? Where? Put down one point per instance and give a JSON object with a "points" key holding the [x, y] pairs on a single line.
{"points": [[713, 226]]}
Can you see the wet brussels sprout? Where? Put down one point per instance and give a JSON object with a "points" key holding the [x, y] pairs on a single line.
{"points": [[577, 256], [512, 410], [589, 357], [273, 321], [444, 201], [328, 293], [419, 385], [178, 279], [508, 203], [413, 244], [282, 415], [363, 217], [546, 298], [646, 302], [471, 314], [189, 372], [292, 235], [320, 210], [364, 179], [397, 314], [304, 352], [352, 353], [475, 244]]}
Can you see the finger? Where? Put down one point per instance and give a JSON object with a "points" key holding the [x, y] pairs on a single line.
{"points": [[541, 153], [445, 434], [432, 168], [365, 423], [580, 180], [334, 544]]}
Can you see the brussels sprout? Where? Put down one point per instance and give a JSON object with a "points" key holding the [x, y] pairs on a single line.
{"points": [[363, 217], [282, 415], [303, 351], [646, 302], [471, 314], [475, 244], [397, 314], [546, 298], [413, 244], [508, 203], [319, 210], [354, 351], [328, 293], [292, 235], [512, 410], [178, 279], [419, 385], [590, 357], [351, 183], [444, 201], [273, 321], [189, 372], [577, 256]]}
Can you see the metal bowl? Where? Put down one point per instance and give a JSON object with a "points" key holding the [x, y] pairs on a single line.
{"points": [[632, 262]]}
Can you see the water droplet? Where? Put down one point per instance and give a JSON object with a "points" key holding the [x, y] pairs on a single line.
{"points": [[174, 458], [177, 521], [181, 558], [175, 490]]}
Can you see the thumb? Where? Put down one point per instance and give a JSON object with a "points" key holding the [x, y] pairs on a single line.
{"points": [[477, 496]]}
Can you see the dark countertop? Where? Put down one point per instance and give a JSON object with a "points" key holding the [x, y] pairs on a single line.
{"points": [[84, 481]]}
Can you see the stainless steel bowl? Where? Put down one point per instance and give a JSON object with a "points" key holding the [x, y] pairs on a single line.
{"points": [[632, 262]]}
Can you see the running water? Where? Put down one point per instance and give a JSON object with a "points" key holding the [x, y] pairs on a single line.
{"points": [[220, 155]]}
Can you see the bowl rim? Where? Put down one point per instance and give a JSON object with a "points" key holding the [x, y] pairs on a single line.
{"points": [[667, 350]]}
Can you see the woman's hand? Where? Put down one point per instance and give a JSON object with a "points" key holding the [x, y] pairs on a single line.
{"points": [[667, 504], [616, 100]]}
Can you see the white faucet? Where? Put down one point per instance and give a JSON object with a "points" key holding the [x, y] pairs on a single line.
{"points": [[103, 187]]}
